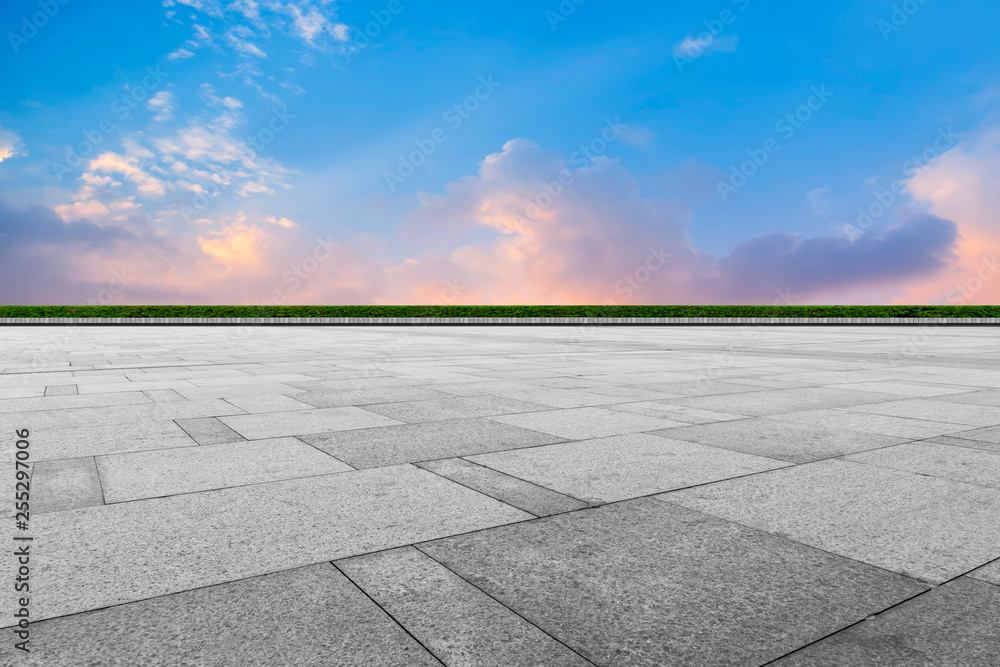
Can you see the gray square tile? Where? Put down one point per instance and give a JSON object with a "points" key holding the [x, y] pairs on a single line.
{"points": [[580, 423], [955, 624], [625, 466], [989, 573], [308, 616], [516, 492], [779, 401], [898, 427], [167, 472], [209, 431], [65, 484], [301, 422], [267, 403], [457, 407], [780, 440], [918, 408], [166, 545], [646, 583], [407, 443], [455, 620], [925, 527], [964, 464], [335, 398]]}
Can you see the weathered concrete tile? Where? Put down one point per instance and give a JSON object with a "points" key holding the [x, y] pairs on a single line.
{"points": [[230, 390], [989, 573], [675, 413], [454, 407], [209, 431], [523, 495], [919, 408], [705, 387], [625, 466], [99, 556], [65, 484], [61, 390], [780, 440], [324, 420], [989, 398], [167, 472], [164, 395], [101, 438], [267, 403], [646, 583], [69, 402], [270, 378], [632, 392], [990, 435], [333, 398], [209, 407], [144, 385], [580, 423], [925, 527], [308, 616], [407, 443], [954, 624], [955, 441], [459, 623], [964, 464], [779, 401], [905, 388], [898, 427]]}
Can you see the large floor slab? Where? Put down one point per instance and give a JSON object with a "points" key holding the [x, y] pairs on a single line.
{"points": [[309, 616], [111, 554], [624, 466], [646, 583], [925, 527], [803, 478]]}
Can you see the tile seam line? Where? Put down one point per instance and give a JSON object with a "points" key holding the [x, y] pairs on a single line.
{"points": [[512, 611], [386, 612], [931, 589]]}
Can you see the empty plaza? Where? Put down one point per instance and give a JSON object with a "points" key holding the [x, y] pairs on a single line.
{"points": [[508, 495]]}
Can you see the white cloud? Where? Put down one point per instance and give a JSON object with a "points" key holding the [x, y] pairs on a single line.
{"points": [[81, 209], [162, 104], [819, 200], [281, 222], [10, 145], [695, 47], [114, 163]]}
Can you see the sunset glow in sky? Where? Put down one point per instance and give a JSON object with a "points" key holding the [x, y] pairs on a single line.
{"points": [[401, 152]]}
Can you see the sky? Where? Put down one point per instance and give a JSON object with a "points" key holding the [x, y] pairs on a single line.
{"points": [[573, 152]]}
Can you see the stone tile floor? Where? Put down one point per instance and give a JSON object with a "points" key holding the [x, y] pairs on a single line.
{"points": [[505, 495]]}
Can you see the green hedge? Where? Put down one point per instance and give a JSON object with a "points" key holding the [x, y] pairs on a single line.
{"points": [[499, 311]]}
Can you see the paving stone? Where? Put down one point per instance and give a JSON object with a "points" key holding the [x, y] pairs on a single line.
{"points": [[459, 623], [580, 423], [956, 413], [61, 390], [209, 431], [904, 388], [269, 378], [333, 398], [166, 472], [454, 407], [68, 402], [964, 464], [145, 385], [93, 439], [647, 583], [100, 556], [674, 412], [925, 527], [230, 390], [632, 392], [779, 401], [989, 398], [955, 441], [898, 427], [407, 443], [307, 616], [523, 495], [705, 387], [164, 395], [301, 422], [625, 466], [267, 403], [954, 624], [989, 573], [65, 484], [989, 435], [780, 440]]}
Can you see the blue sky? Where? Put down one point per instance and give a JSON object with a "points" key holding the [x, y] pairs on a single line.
{"points": [[688, 92]]}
